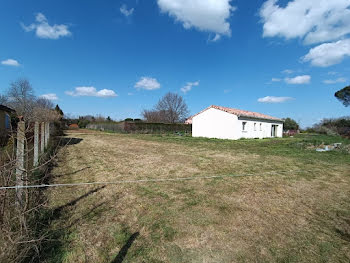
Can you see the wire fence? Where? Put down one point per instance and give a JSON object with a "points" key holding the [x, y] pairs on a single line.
{"points": [[24, 161], [149, 180]]}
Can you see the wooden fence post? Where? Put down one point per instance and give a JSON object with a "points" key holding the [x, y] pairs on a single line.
{"points": [[42, 137], [20, 162], [36, 144]]}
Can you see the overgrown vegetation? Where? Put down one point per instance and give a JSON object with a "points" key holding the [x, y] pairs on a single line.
{"points": [[338, 126], [290, 124], [21, 209], [20, 225]]}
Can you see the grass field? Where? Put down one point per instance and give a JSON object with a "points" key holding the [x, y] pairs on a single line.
{"points": [[293, 205]]}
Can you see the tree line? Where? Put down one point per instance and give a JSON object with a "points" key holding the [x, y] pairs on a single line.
{"points": [[21, 97]]}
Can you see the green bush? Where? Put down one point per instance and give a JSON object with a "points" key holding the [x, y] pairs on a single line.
{"points": [[83, 123]]}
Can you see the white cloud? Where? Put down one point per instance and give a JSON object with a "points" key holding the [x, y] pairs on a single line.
{"points": [[328, 54], [217, 37], [44, 30], [304, 79], [314, 21], [91, 92], [287, 71], [130, 93], [189, 86], [204, 15], [332, 73], [273, 99], [49, 96], [147, 83], [334, 81], [10, 62], [124, 10], [275, 80]]}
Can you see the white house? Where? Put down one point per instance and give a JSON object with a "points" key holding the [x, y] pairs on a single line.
{"points": [[227, 123]]}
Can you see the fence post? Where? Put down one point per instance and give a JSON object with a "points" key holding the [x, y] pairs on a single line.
{"points": [[42, 137], [20, 161], [36, 144], [46, 134]]}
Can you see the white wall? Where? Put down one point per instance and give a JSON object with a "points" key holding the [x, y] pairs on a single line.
{"points": [[214, 123], [264, 132]]}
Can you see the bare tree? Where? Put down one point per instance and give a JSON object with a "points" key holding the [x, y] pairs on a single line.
{"points": [[153, 115], [44, 103], [173, 106], [43, 110], [3, 100], [21, 97]]}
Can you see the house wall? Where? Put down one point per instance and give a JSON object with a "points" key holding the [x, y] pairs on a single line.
{"points": [[257, 132], [214, 123]]}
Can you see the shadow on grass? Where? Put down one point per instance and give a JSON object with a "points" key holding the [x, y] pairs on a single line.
{"points": [[74, 172], [69, 141], [124, 250], [52, 247], [57, 211]]}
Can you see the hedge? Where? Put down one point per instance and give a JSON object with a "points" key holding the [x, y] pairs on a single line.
{"points": [[142, 127]]}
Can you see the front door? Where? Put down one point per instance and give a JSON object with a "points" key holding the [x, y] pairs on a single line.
{"points": [[274, 130]]}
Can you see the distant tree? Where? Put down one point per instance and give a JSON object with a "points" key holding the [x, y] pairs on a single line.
{"points": [[129, 119], [343, 96], [173, 106], [87, 117], [99, 118], [83, 123], [290, 124], [153, 116], [109, 119], [59, 111], [43, 103], [3, 100]]}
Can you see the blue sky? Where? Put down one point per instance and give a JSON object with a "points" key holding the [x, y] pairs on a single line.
{"points": [[116, 58]]}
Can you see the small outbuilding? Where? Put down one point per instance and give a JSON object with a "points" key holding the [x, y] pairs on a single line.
{"points": [[228, 123], [5, 124], [5, 119]]}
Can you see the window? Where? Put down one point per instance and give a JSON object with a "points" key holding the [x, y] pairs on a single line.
{"points": [[244, 124], [254, 126], [7, 121], [260, 126]]}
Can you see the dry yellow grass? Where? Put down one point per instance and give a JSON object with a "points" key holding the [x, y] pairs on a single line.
{"points": [[300, 215]]}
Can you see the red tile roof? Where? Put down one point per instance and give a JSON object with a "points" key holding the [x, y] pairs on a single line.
{"points": [[239, 113]]}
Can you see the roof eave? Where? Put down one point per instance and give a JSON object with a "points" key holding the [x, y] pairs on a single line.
{"points": [[5, 108], [260, 118]]}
